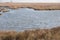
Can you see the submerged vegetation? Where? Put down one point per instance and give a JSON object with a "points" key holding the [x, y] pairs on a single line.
{"points": [[38, 34]]}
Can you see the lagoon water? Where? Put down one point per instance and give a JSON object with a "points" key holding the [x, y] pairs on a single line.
{"points": [[25, 18]]}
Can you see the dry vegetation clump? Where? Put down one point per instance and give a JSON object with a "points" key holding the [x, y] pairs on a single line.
{"points": [[0, 14], [39, 34]]}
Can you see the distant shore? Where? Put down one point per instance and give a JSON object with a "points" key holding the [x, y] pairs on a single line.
{"points": [[36, 6]]}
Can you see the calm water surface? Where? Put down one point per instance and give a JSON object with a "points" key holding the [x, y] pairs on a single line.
{"points": [[24, 18]]}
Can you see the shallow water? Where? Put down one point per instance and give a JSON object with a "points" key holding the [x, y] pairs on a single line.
{"points": [[24, 18]]}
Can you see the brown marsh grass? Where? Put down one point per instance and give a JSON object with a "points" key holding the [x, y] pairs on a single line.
{"points": [[36, 6], [38, 34]]}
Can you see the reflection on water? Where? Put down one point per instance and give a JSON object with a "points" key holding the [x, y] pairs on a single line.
{"points": [[24, 18]]}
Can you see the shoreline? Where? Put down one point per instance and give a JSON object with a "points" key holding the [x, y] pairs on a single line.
{"points": [[39, 34], [35, 6]]}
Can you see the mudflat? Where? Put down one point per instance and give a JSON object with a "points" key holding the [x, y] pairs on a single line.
{"points": [[36, 6]]}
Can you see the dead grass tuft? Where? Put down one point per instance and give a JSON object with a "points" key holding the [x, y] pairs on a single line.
{"points": [[39, 34]]}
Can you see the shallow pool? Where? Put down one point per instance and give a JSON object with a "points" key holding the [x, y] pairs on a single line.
{"points": [[25, 18]]}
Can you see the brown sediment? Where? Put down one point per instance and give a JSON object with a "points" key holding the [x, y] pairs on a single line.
{"points": [[36, 6], [37, 34]]}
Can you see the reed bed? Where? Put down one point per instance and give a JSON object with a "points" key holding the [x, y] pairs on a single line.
{"points": [[37, 34]]}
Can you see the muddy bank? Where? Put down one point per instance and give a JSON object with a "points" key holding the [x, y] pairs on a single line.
{"points": [[37, 34], [3, 9], [36, 6]]}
